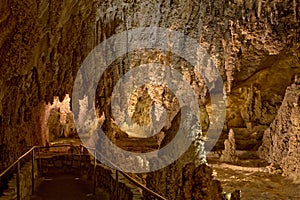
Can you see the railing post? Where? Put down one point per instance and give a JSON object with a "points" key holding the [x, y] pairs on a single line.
{"points": [[18, 181], [117, 185], [32, 172], [40, 162], [94, 172], [80, 161], [1, 185]]}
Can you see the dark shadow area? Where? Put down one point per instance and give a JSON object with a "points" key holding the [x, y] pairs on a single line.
{"points": [[61, 187]]}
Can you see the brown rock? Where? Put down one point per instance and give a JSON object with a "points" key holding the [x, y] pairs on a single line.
{"points": [[280, 142], [229, 153]]}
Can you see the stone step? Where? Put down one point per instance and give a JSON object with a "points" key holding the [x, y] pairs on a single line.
{"points": [[12, 182], [250, 155], [138, 144], [239, 133], [241, 144], [9, 192], [4, 197], [137, 195]]}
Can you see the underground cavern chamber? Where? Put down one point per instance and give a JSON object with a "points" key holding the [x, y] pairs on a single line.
{"points": [[254, 45]]}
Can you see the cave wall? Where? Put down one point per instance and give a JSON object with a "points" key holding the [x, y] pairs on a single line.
{"points": [[42, 44], [254, 44]]}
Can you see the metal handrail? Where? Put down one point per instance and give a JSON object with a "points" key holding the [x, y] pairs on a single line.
{"points": [[137, 183], [131, 179], [17, 162]]}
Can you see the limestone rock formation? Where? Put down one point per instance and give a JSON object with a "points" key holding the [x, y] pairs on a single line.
{"points": [[281, 140], [229, 153], [60, 121], [42, 44], [188, 177]]}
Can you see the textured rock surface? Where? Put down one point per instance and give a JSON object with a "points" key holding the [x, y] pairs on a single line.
{"points": [[185, 182], [188, 177], [60, 122], [281, 141], [42, 44], [25, 183], [229, 153]]}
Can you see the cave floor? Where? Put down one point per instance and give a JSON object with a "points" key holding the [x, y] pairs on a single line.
{"points": [[252, 176], [255, 181], [61, 187]]}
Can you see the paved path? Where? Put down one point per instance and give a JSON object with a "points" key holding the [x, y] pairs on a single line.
{"points": [[65, 187]]}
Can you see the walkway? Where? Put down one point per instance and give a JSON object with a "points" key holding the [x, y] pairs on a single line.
{"points": [[64, 187]]}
